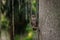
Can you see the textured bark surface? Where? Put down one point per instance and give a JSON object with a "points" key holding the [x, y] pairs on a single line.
{"points": [[49, 19]]}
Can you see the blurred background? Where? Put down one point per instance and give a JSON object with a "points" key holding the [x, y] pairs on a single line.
{"points": [[18, 19]]}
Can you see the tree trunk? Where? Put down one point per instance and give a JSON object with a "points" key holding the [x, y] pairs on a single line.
{"points": [[49, 19], [5, 35]]}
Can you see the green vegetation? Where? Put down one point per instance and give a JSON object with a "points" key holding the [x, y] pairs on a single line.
{"points": [[4, 22], [19, 16]]}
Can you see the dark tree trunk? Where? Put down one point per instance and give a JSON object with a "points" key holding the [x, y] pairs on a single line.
{"points": [[49, 19]]}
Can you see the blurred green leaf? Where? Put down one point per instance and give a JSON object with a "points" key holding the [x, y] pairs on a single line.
{"points": [[4, 22]]}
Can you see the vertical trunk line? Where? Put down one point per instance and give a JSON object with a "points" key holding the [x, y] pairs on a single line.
{"points": [[13, 17], [37, 15], [0, 19]]}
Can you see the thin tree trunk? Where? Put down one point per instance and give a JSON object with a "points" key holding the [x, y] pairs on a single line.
{"points": [[0, 19], [49, 19]]}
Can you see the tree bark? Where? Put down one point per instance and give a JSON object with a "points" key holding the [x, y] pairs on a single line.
{"points": [[49, 19]]}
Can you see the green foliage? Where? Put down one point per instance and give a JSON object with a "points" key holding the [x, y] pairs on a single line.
{"points": [[34, 6], [4, 22], [29, 36], [17, 37], [18, 10], [29, 28], [30, 32]]}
